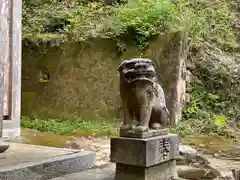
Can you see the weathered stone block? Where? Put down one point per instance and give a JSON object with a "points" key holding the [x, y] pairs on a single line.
{"points": [[163, 171], [143, 135], [144, 152]]}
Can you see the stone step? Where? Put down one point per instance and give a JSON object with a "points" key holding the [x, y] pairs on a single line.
{"points": [[105, 173], [28, 162]]}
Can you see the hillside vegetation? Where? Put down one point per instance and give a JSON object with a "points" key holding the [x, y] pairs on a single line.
{"points": [[80, 20], [213, 28]]}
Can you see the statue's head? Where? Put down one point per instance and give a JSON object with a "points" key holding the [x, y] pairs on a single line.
{"points": [[137, 69]]}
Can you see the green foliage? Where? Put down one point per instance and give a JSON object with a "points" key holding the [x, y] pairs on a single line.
{"points": [[220, 121], [137, 19], [64, 126], [214, 94], [39, 15], [209, 20], [142, 19], [202, 120]]}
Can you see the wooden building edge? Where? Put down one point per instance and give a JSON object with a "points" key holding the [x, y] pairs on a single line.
{"points": [[10, 61]]}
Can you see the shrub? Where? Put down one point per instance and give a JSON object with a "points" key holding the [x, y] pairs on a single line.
{"points": [[139, 19]]}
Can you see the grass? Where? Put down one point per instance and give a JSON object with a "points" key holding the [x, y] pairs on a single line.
{"points": [[58, 131], [79, 126], [98, 126]]}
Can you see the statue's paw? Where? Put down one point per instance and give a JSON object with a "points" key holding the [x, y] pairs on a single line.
{"points": [[126, 127], [156, 126], [141, 129]]}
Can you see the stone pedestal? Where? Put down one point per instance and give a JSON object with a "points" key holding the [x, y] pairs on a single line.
{"points": [[150, 158]]}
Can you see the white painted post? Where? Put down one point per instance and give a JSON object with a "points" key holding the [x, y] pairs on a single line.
{"points": [[16, 65], [1, 93], [10, 53], [4, 52], [6, 61]]}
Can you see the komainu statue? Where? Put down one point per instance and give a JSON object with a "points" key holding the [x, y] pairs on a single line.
{"points": [[142, 96]]}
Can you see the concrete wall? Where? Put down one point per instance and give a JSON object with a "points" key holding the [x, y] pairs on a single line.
{"points": [[83, 77]]}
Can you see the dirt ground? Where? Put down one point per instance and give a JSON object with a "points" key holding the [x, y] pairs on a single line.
{"points": [[223, 154]]}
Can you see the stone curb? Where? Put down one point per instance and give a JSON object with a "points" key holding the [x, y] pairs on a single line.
{"points": [[50, 167], [104, 173]]}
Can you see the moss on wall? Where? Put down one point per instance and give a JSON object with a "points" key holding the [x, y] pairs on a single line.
{"points": [[81, 79]]}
